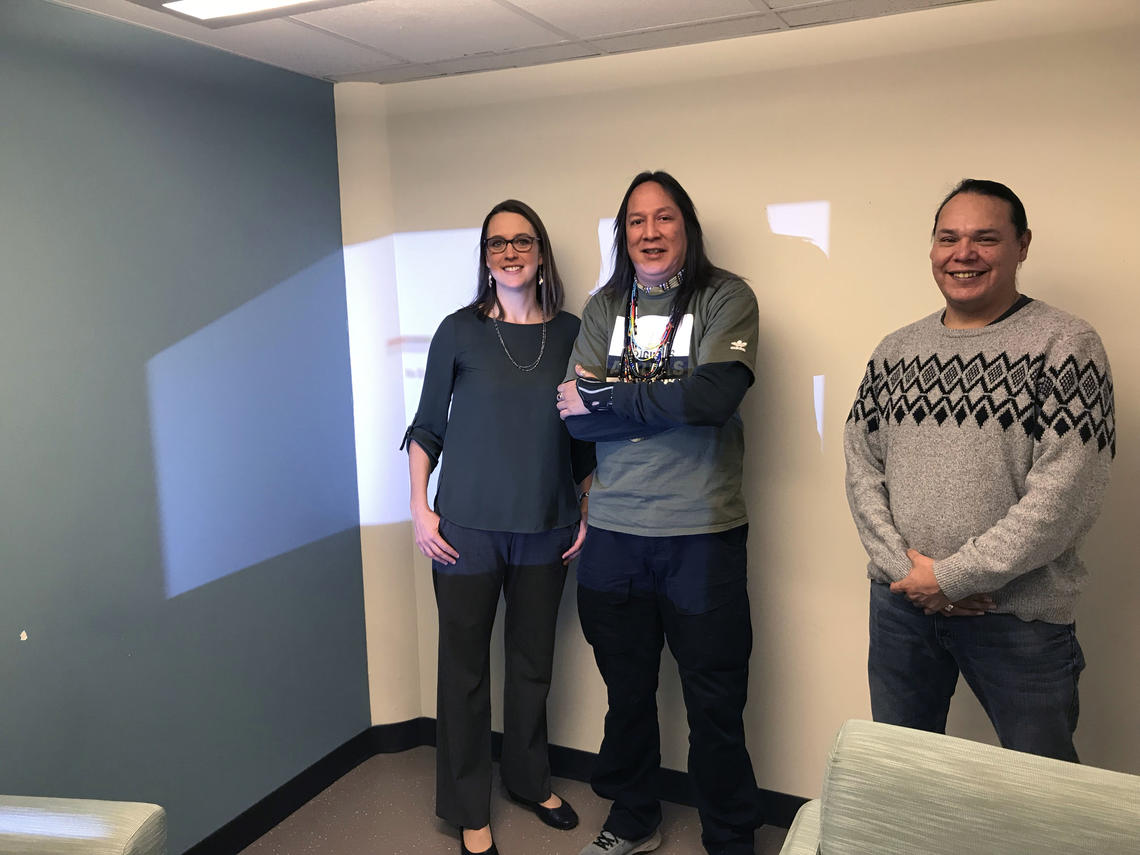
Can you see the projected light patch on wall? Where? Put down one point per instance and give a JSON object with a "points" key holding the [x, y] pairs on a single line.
{"points": [[399, 289], [808, 220], [812, 222], [251, 427], [818, 388], [606, 248], [377, 369], [435, 275]]}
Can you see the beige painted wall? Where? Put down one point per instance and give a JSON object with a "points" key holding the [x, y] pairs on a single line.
{"points": [[878, 118], [391, 621]]}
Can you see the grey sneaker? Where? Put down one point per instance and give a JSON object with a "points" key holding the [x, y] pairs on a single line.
{"points": [[607, 843]]}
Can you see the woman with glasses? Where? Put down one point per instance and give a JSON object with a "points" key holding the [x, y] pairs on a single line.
{"points": [[510, 513]]}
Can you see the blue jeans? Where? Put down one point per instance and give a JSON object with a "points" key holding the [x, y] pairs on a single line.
{"points": [[1024, 672]]}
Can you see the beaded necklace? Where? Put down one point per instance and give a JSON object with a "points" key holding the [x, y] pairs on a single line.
{"points": [[632, 369]]}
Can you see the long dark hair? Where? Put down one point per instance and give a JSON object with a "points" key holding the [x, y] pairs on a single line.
{"points": [[699, 271], [985, 187], [549, 294]]}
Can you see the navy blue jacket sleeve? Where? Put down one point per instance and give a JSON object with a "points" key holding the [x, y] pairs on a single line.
{"points": [[708, 396]]}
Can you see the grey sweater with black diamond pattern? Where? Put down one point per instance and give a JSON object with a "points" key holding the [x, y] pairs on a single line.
{"points": [[987, 450]]}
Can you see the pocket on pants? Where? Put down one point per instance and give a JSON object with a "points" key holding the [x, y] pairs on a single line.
{"points": [[710, 571], [718, 640], [605, 617]]}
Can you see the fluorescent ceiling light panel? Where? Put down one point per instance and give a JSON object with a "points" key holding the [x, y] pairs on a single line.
{"points": [[205, 10]]}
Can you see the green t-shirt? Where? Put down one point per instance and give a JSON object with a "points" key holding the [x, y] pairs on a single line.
{"points": [[687, 479]]}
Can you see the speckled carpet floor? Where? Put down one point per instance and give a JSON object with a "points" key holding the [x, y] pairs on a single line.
{"points": [[385, 806]]}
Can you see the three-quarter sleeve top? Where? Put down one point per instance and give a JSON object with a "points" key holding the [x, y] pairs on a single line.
{"points": [[507, 461]]}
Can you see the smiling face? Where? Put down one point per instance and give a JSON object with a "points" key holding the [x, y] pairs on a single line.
{"points": [[513, 270], [974, 258], [654, 234]]}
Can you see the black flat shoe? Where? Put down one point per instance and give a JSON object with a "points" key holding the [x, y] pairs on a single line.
{"points": [[562, 817], [463, 850]]}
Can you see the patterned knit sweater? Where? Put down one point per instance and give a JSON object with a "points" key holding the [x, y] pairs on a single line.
{"points": [[987, 450]]}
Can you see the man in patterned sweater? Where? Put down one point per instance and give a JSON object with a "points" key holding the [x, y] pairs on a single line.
{"points": [[978, 451]]}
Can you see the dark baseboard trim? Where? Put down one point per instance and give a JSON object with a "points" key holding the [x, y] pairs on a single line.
{"points": [[573, 763], [252, 823], [672, 785], [405, 735]]}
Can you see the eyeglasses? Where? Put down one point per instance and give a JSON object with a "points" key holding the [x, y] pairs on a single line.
{"points": [[521, 243]]}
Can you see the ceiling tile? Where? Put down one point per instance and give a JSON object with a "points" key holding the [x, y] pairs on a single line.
{"points": [[433, 30], [515, 59], [695, 33], [591, 18], [791, 4], [284, 43], [395, 74], [846, 10], [398, 40]]}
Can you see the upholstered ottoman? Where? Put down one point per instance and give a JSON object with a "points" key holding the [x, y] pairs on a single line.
{"points": [[42, 826]]}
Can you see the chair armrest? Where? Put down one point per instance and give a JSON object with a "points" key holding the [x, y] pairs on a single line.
{"points": [[803, 836]]}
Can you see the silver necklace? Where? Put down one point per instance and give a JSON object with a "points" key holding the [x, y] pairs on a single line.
{"points": [[541, 348]]}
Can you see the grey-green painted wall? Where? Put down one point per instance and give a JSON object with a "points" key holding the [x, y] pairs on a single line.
{"points": [[148, 188]]}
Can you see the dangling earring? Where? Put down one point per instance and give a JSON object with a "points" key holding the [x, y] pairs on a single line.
{"points": [[541, 281], [490, 281]]}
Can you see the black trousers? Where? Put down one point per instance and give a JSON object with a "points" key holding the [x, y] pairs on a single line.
{"points": [[634, 593], [528, 570]]}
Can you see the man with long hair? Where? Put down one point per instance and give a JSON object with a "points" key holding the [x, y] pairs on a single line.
{"points": [[662, 362]]}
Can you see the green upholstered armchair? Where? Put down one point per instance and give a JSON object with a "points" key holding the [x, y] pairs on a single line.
{"points": [[891, 790]]}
